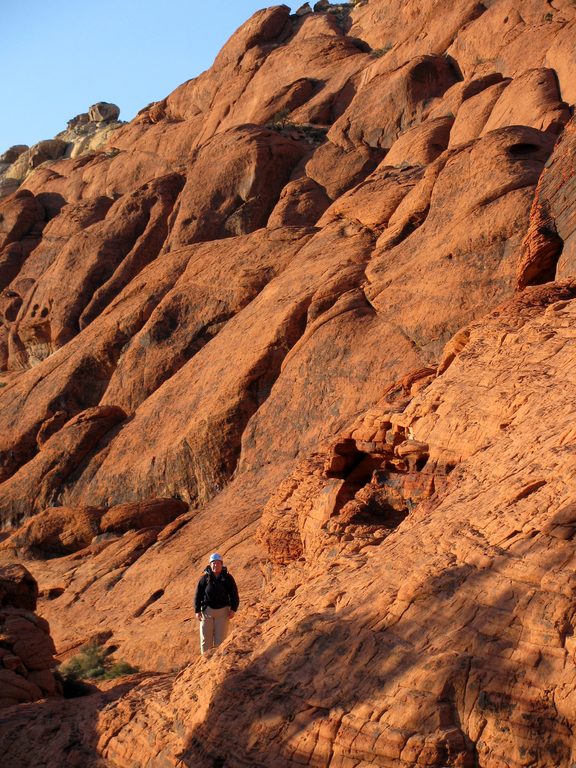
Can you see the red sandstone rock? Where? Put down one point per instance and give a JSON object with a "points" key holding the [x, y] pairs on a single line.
{"points": [[549, 248], [198, 307], [338, 168], [27, 651], [503, 33], [20, 214], [97, 263], [22, 219], [414, 529], [374, 201], [422, 144], [147, 514], [74, 379], [474, 113], [451, 228], [377, 122], [57, 531], [18, 588], [57, 459], [301, 202], [530, 99], [246, 169], [560, 59]]}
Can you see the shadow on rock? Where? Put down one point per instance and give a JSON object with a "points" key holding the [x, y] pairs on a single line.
{"points": [[56, 732], [439, 675]]}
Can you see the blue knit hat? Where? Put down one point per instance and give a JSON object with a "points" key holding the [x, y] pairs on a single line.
{"points": [[216, 556]]}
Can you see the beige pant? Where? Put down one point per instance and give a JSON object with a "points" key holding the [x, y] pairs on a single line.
{"points": [[213, 627]]}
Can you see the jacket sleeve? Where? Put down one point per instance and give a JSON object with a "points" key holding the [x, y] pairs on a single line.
{"points": [[233, 593], [199, 596]]}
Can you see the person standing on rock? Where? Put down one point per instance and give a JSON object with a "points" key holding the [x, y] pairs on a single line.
{"points": [[215, 603]]}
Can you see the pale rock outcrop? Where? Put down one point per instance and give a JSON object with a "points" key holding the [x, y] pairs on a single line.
{"points": [[103, 112], [84, 133]]}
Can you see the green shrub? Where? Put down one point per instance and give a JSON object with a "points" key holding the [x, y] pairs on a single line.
{"points": [[280, 120], [94, 663], [119, 669], [377, 52]]}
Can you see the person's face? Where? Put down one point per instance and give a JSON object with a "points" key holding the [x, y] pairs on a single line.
{"points": [[216, 566]]}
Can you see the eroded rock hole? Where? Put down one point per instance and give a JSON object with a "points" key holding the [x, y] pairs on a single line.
{"points": [[421, 463], [517, 150]]}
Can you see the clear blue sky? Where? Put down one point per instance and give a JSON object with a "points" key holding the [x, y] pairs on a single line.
{"points": [[57, 57]]}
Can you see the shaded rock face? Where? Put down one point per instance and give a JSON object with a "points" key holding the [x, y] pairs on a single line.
{"points": [[314, 310], [549, 247], [59, 531], [26, 648]]}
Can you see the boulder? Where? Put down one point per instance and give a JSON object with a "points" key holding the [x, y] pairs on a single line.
{"points": [[82, 119], [154, 513], [18, 588], [103, 112], [13, 153], [56, 531], [50, 149], [27, 650]]}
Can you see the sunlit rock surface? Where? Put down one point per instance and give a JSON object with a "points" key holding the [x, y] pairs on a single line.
{"points": [[313, 310]]}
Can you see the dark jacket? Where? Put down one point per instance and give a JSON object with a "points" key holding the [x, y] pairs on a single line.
{"points": [[216, 591]]}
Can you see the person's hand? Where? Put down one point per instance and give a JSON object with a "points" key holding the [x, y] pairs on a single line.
{"points": [[231, 613], [199, 616]]}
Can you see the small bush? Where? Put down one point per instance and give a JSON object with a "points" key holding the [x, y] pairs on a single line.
{"points": [[94, 663], [119, 669], [280, 120], [377, 52]]}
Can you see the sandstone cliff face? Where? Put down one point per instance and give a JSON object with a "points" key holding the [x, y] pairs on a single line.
{"points": [[275, 315]]}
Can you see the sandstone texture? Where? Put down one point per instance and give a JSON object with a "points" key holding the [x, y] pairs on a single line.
{"points": [[26, 648], [314, 310]]}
